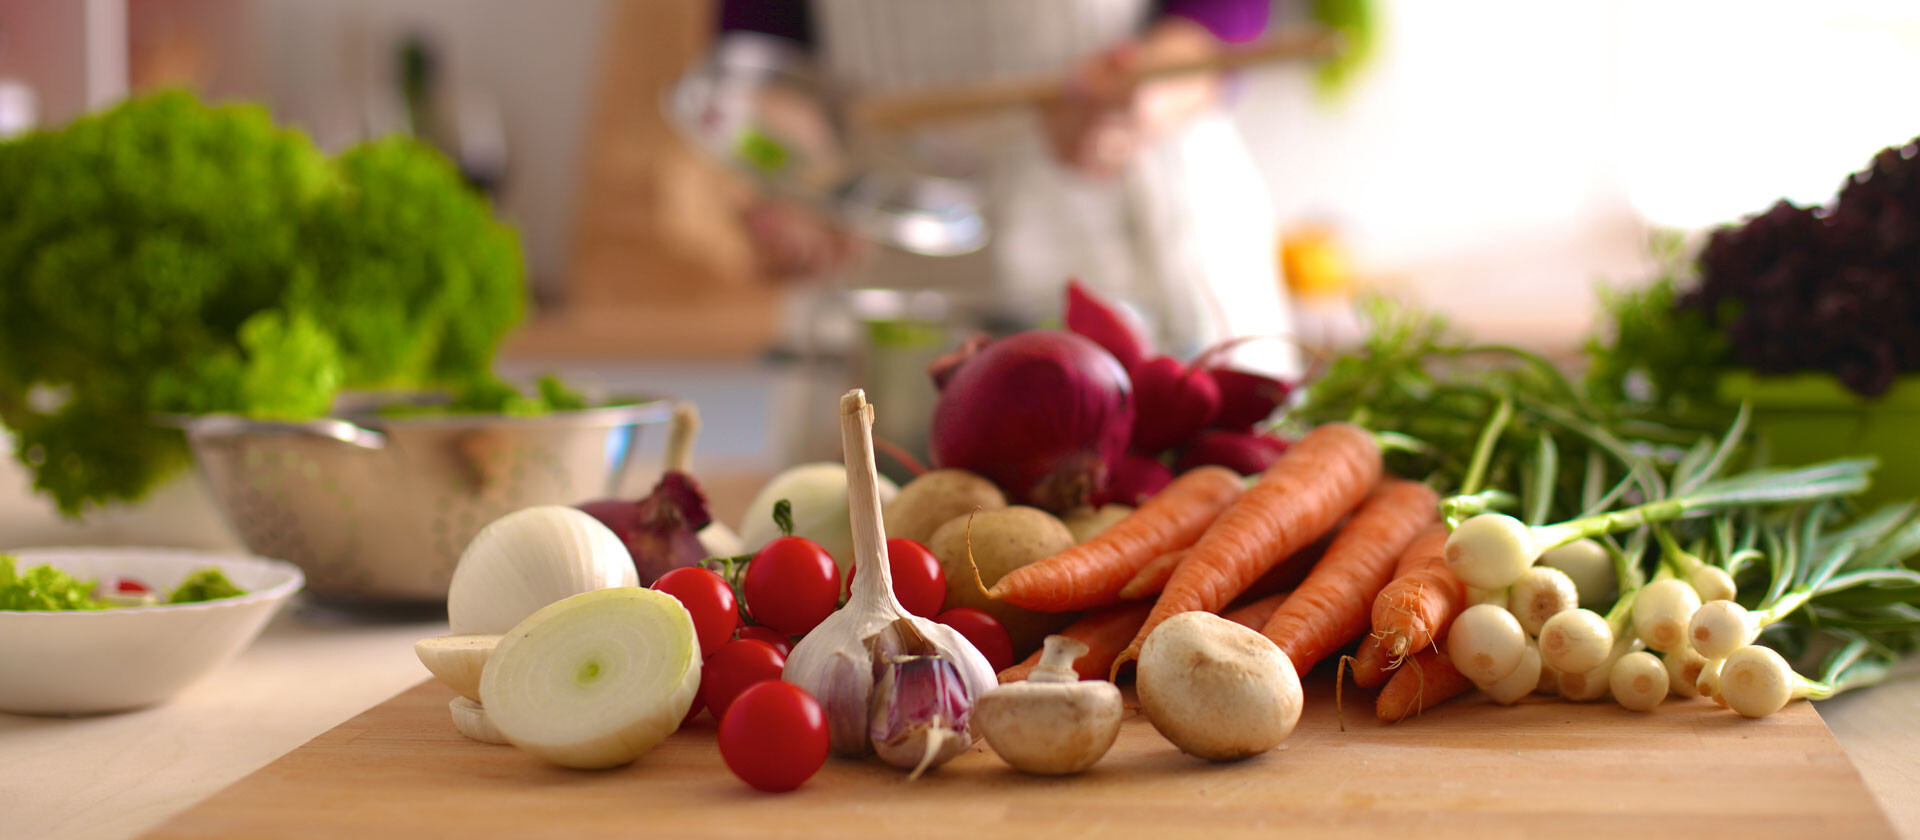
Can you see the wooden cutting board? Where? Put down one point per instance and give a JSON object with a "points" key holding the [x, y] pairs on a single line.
{"points": [[1467, 769]]}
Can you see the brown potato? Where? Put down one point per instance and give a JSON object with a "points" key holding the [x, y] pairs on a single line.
{"points": [[931, 500], [1003, 540]]}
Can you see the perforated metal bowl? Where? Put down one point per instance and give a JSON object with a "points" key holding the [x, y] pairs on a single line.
{"points": [[377, 510]]}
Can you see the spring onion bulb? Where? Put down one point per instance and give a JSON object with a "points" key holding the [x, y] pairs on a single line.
{"points": [[1524, 680], [1638, 681], [1661, 612], [1708, 683], [1593, 683], [1542, 592], [1486, 643], [471, 720], [1712, 583], [1756, 682], [1683, 671], [1491, 550], [1549, 683], [1588, 565], [1496, 597], [457, 660], [594, 680], [1575, 641], [531, 558]]}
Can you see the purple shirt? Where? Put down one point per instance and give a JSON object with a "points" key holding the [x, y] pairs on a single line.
{"points": [[1232, 21]]}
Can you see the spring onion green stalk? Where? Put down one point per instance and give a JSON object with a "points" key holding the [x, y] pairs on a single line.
{"points": [[1492, 550], [1486, 643]]}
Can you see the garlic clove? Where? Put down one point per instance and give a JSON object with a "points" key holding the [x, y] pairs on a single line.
{"points": [[919, 714]]}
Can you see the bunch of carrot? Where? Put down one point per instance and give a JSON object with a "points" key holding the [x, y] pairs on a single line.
{"points": [[1205, 544]]}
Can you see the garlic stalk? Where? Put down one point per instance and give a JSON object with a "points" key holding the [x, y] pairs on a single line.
{"points": [[835, 662]]}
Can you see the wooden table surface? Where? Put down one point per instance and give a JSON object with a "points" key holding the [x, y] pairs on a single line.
{"points": [[1469, 769]]}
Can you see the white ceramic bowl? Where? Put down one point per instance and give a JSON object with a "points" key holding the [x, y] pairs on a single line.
{"points": [[86, 662]]}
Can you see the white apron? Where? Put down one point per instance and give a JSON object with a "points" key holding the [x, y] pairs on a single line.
{"points": [[1186, 235]]}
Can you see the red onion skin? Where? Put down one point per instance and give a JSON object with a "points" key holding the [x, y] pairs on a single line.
{"points": [[1043, 414], [1135, 479], [661, 531], [1107, 325], [1247, 398], [1243, 452], [1178, 402]]}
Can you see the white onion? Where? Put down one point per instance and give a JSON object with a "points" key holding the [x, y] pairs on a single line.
{"points": [[458, 660], [818, 495], [594, 680], [470, 718], [531, 558]]}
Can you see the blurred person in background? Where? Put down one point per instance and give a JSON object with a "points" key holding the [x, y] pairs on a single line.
{"points": [[1142, 189]]}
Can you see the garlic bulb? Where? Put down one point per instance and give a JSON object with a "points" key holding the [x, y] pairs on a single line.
{"points": [[531, 558], [834, 662]]}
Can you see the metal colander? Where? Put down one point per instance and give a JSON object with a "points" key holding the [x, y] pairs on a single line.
{"points": [[378, 509]]}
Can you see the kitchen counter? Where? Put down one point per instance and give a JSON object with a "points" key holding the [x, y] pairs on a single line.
{"points": [[103, 778]]}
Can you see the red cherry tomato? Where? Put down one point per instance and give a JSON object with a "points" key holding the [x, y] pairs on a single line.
{"points": [[734, 668], [130, 586], [792, 585], [775, 736], [708, 598], [761, 633], [918, 580], [698, 706], [984, 631]]}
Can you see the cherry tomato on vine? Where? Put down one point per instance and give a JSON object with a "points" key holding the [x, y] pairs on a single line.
{"points": [[984, 631], [762, 633], [774, 737], [918, 580], [792, 585], [734, 668], [708, 598]]}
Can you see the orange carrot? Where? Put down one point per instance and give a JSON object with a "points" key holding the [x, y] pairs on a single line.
{"points": [[1426, 681], [1255, 614], [1105, 632], [1332, 606], [1090, 574], [1315, 482], [1420, 603], [1153, 577], [1371, 666]]}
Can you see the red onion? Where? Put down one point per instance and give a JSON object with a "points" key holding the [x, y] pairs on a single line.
{"points": [[1135, 479], [1247, 398], [1108, 325], [1043, 414], [1243, 452], [1180, 401], [661, 530]]}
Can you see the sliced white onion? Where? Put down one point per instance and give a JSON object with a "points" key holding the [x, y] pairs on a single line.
{"points": [[594, 680], [1661, 612], [471, 720], [1486, 643], [531, 558], [458, 660]]}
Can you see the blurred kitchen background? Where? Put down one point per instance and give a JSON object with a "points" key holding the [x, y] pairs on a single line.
{"points": [[1493, 159]]}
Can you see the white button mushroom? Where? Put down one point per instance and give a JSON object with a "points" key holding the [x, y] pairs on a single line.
{"points": [[1217, 690], [1052, 723]]}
